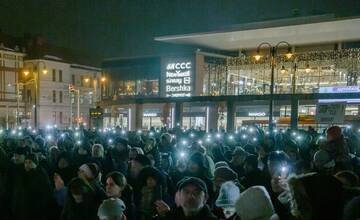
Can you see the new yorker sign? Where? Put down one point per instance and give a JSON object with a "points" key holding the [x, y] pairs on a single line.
{"points": [[178, 78]]}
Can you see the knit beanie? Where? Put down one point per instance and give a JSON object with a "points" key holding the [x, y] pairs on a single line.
{"points": [[255, 204], [113, 207], [225, 173], [143, 160], [33, 158], [228, 195], [198, 159], [221, 164], [90, 169]]}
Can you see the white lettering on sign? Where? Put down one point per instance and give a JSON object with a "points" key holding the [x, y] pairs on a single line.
{"points": [[178, 79], [178, 66], [150, 114], [256, 114]]}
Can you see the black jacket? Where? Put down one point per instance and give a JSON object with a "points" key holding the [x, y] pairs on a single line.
{"points": [[178, 214]]}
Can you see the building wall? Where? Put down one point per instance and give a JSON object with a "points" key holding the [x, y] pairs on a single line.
{"points": [[55, 98], [10, 62]]}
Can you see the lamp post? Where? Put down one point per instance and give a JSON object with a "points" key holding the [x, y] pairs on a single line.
{"points": [[273, 53], [36, 79]]}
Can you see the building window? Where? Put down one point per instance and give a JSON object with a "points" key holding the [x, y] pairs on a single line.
{"points": [[60, 117], [54, 96], [60, 76], [53, 75], [72, 98], [81, 80], [81, 99], [54, 117], [73, 79], [28, 96], [60, 97]]}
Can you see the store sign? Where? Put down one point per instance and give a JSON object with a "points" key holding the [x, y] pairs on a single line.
{"points": [[178, 79], [337, 90], [150, 114], [256, 114], [330, 113]]}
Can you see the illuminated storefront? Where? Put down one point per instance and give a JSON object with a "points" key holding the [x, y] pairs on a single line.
{"points": [[234, 87]]}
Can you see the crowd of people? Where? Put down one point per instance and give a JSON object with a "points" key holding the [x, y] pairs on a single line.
{"points": [[247, 174]]}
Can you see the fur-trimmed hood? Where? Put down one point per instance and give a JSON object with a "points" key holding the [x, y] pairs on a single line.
{"points": [[316, 196]]}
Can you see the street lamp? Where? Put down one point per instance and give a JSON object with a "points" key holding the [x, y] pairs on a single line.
{"points": [[273, 54], [36, 80]]}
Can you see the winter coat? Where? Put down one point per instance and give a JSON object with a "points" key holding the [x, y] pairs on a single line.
{"points": [[178, 214], [31, 195]]}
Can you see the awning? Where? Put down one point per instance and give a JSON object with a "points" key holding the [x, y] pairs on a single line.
{"points": [[296, 31]]}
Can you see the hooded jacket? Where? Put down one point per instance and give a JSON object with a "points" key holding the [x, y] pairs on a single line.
{"points": [[255, 204]]}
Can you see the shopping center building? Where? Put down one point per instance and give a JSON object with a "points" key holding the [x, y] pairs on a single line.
{"points": [[232, 78]]}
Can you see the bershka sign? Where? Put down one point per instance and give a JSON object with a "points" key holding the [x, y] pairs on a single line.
{"points": [[178, 79]]}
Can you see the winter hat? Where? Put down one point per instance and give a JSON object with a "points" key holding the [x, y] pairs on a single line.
{"points": [[334, 132], [221, 164], [90, 169], [143, 160], [323, 159], [255, 203], [192, 181], [228, 195], [225, 173], [120, 140], [33, 158], [198, 159], [113, 207]]}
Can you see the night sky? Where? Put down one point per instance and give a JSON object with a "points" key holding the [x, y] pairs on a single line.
{"points": [[126, 28]]}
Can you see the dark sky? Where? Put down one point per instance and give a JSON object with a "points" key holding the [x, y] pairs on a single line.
{"points": [[126, 28]]}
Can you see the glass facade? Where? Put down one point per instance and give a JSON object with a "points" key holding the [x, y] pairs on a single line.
{"points": [[303, 73], [136, 88]]}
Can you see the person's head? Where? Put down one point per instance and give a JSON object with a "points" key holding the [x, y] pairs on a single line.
{"points": [[192, 195], [255, 203], [137, 164], [54, 153], [251, 163], [228, 195], [111, 209], [196, 164], [348, 178], [238, 156], [151, 178], [63, 161], [115, 184], [82, 151], [134, 151], [89, 171], [19, 155], [97, 151], [278, 164], [222, 175], [333, 133], [316, 196], [79, 190], [121, 144], [30, 162], [165, 140]]}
